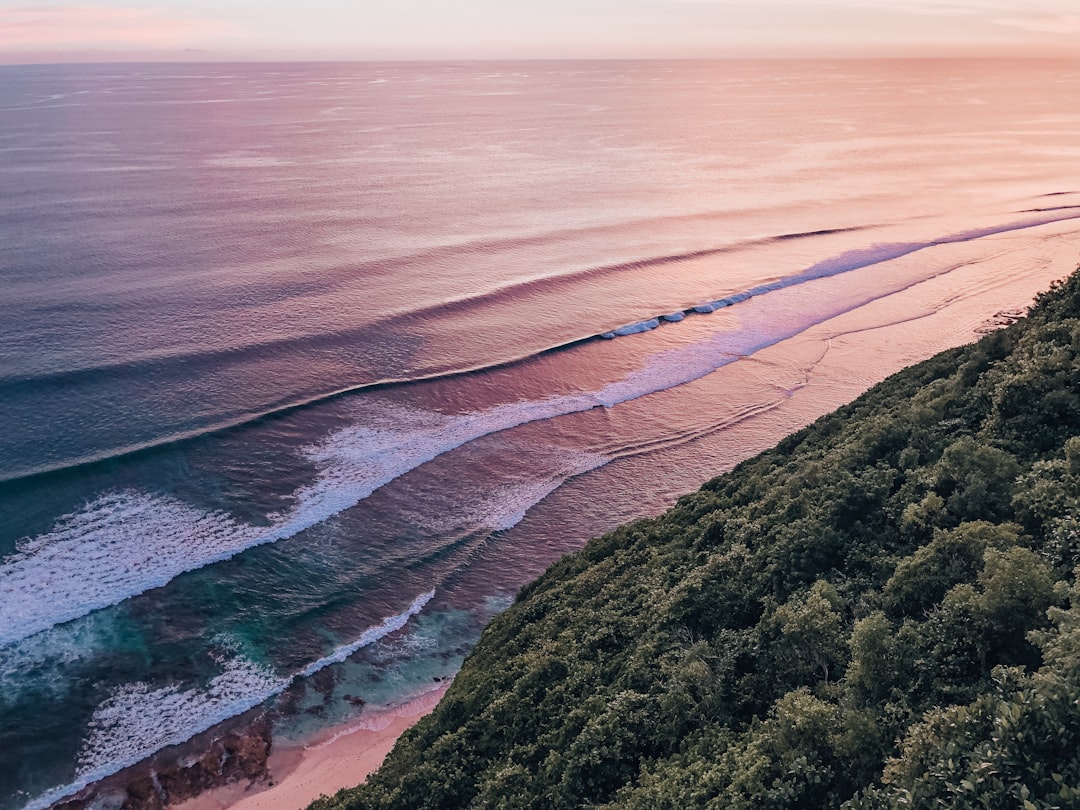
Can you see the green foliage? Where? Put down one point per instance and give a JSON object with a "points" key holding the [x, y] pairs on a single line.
{"points": [[1015, 746], [813, 637], [921, 580], [882, 611]]}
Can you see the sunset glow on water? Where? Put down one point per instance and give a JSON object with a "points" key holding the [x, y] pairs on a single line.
{"points": [[307, 368]]}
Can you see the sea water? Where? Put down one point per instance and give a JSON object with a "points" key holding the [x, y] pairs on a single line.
{"points": [[305, 369]]}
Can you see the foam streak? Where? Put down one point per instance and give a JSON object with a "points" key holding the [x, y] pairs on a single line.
{"points": [[138, 720], [125, 543], [852, 260]]}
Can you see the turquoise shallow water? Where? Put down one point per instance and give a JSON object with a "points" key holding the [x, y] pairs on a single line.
{"points": [[300, 368]]}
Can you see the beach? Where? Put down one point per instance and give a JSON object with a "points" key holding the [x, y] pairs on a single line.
{"points": [[299, 774]]}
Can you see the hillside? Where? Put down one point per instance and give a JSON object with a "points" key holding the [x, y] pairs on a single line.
{"points": [[882, 611]]}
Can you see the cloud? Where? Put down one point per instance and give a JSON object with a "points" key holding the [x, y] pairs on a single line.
{"points": [[1061, 24], [1033, 10], [61, 27], [915, 6]]}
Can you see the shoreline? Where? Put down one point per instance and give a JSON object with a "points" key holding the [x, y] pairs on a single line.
{"points": [[818, 370], [339, 757], [345, 756]]}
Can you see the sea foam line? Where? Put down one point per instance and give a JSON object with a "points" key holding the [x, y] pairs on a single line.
{"points": [[138, 720], [851, 260], [845, 262], [125, 543]]}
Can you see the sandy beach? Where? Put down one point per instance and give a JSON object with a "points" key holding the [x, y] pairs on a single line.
{"points": [[341, 757]]}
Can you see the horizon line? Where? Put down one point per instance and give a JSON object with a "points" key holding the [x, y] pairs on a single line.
{"points": [[172, 59]]}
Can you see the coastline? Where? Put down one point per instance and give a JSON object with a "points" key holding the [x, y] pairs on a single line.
{"points": [[339, 757], [817, 371], [846, 356]]}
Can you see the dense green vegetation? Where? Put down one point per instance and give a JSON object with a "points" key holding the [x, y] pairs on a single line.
{"points": [[880, 612]]}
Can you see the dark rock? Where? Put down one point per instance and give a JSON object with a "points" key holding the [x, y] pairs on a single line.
{"points": [[233, 752], [324, 681], [144, 793]]}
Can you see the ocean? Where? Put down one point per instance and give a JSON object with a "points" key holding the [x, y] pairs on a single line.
{"points": [[305, 369]]}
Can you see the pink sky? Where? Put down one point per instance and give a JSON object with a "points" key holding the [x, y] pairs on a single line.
{"points": [[367, 29], [26, 28]]}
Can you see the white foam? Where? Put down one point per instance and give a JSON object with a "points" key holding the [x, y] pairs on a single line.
{"points": [[358, 460], [504, 507], [641, 326], [493, 506], [138, 720], [43, 661], [369, 636], [119, 545], [507, 507], [124, 543], [636, 328]]}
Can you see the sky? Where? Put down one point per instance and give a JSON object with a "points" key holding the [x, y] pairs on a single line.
{"points": [[43, 30]]}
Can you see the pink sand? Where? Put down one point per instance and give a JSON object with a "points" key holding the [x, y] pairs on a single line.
{"points": [[300, 774]]}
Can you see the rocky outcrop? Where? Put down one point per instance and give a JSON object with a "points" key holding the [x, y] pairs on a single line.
{"points": [[233, 752], [999, 320]]}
